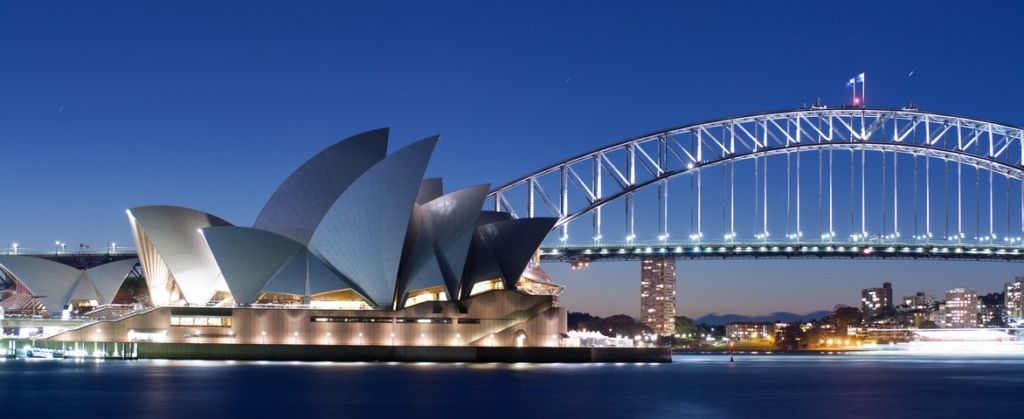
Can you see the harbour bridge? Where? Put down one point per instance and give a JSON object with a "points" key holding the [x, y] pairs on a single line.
{"points": [[851, 182]]}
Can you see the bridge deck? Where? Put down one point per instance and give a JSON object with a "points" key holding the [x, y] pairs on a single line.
{"points": [[784, 250]]}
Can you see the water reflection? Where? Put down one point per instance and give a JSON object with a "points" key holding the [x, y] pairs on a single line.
{"points": [[777, 385]]}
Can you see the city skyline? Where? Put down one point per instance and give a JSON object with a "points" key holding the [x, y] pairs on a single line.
{"points": [[107, 107]]}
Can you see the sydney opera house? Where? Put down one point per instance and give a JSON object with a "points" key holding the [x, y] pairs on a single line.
{"points": [[354, 248]]}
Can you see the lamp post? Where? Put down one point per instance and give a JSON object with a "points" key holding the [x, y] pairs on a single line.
{"points": [[264, 336], [392, 338], [458, 338], [492, 339], [56, 248], [360, 338], [328, 338], [295, 341], [423, 339]]}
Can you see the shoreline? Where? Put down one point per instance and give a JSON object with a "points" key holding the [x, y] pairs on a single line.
{"points": [[372, 353]]}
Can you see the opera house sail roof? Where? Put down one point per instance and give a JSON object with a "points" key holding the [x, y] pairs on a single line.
{"points": [[351, 227], [56, 285]]}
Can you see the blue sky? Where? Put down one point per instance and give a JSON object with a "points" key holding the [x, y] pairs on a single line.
{"points": [[110, 105]]}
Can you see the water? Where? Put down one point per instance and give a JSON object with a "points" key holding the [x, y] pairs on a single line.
{"points": [[834, 386]]}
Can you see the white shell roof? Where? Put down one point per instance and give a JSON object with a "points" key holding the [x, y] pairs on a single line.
{"points": [[300, 203], [51, 281], [248, 258], [363, 233], [175, 235], [108, 278]]}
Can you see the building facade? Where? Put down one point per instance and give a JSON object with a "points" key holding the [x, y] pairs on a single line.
{"points": [[658, 293], [919, 301], [1012, 293], [744, 331], [875, 302], [961, 308]]}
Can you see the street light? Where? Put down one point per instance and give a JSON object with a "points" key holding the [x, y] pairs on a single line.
{"points": [[328, 338], [392, 338], [360, 338], [264, 334], [423, 339], [296, 341], [458, 337]]}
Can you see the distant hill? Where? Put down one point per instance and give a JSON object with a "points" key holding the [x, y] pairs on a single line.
{"points": [[715, 318]]}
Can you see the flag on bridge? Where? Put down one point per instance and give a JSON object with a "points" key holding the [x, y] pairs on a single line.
{"points": [[853, 82]]}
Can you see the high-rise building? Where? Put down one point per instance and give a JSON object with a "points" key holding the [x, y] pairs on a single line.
{"points": [[875, 301], [1012, 300], [961, 308], [658, 293]]}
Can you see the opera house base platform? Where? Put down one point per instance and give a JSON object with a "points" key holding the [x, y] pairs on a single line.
{"points": [[495, 326]]}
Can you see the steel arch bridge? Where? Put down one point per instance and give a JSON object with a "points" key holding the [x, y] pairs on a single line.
{"points": [[838, 183]]}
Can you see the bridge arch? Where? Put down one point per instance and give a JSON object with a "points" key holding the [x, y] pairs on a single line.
{"points": [[617, 172]]}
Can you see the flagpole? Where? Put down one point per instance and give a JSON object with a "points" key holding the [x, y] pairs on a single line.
{"points": [[863, 90]]}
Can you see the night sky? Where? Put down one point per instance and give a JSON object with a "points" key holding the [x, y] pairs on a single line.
{"points": [[211, 105]]}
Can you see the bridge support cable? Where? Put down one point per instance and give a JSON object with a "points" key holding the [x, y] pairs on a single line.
{"points": [[663, 188], [863, 189], [796, 135], [725, 209], [1008, 235], [596, 187], [831, 230], [885, 227], [732, 201], [764, 183], [959, 199], [630, 198], [765, 214], [916, 237], [821, 158], [853, 164], [757, 196], [895, 194], [927, 184], [563, 199]]}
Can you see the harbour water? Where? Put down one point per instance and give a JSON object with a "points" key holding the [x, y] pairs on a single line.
{"points": [[836, 386]]}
